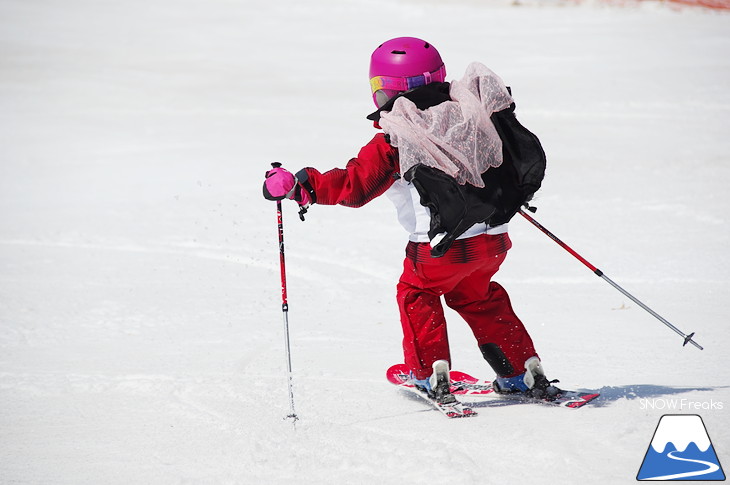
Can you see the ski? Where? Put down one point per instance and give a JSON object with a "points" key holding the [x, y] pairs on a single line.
{"points": [[454, 409], [463, 384]]}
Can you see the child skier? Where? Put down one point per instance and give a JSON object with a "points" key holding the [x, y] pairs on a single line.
{"points": [[435, 160]]}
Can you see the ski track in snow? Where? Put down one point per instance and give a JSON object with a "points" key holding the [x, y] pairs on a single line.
{"points": [[228, 254]]}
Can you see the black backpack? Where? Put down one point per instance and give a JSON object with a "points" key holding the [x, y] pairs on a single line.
{"points": [[454, 208]]}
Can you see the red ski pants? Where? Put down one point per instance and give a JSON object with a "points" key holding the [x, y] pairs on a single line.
{"points": [[463, 277]]}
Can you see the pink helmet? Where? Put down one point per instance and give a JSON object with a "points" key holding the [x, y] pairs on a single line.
{"points": [[401, 64]]}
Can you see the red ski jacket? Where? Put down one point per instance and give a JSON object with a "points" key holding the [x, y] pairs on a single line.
{"points": [[364, 178]]}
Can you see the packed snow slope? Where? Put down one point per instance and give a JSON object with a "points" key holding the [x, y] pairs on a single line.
{"points": [[141, 334]]}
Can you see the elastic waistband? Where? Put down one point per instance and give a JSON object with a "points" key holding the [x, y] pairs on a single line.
{"points": [[462, 250]]}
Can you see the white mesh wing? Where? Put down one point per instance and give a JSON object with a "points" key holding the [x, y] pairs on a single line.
{"points": [[457, 136]]}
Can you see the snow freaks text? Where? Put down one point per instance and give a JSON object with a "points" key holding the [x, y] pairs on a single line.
{"points": [[664, 404]]}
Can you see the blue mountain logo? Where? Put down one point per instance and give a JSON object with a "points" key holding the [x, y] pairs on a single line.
{"points": [[681, 450]]}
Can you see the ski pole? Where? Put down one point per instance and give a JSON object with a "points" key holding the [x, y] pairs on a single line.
{"points": [[285, 306], [598, 272]]}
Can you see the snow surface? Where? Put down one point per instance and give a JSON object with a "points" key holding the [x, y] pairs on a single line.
{"points": [[141, 335]]}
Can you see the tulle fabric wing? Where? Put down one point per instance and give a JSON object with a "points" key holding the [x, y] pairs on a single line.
{"points": [[457, 136]]}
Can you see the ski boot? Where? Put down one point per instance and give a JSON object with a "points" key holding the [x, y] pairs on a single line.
{"points": [[532, 383], [438, 385]]}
